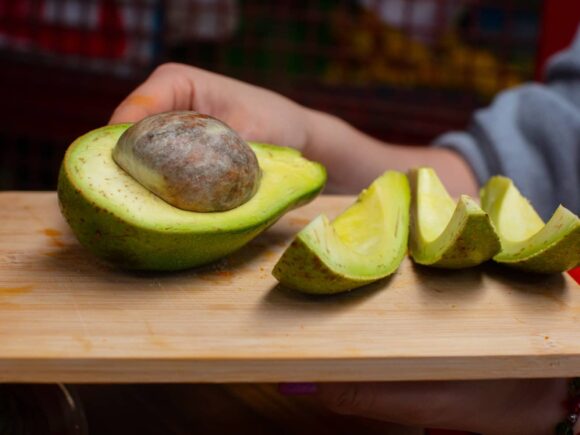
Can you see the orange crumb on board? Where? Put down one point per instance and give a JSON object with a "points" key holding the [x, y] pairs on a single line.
{"points": [[224, 273], [51, 232], [54, 237], [217, 276], [13, 291]]}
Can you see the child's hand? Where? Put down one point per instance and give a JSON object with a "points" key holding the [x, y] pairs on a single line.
{"points": [[256, 113]]}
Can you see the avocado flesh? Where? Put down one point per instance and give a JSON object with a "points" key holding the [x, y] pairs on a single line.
{"points": [[121, 221], [444, 233], [528, 243], [365, 243]]}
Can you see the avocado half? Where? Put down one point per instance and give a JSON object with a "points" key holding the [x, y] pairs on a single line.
{"points": [[444, 233], [365, 243], [528, 243], [121, 221]]}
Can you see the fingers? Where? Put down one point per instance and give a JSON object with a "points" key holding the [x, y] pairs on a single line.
{"points": [[255, 113], [169, 87], [419, 404], [496, 407]]}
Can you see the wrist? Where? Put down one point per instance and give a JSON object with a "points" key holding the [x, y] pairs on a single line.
{"points": [[321, 130]]}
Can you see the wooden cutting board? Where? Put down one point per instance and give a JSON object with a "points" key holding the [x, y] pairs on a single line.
{"points": [[65, 316]]}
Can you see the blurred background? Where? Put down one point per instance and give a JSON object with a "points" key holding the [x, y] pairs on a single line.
{"points": [[402, 70]]}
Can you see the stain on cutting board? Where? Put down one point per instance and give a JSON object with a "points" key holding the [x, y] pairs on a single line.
{"points": [[54, 237], [15, 291]]}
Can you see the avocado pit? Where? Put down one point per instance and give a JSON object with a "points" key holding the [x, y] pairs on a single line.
{"points": [[190, 160]]}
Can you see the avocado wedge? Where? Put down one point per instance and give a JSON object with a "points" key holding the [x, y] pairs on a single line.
{"points": [[444, 233], [121, 221], [365, 243], [528, 243]]}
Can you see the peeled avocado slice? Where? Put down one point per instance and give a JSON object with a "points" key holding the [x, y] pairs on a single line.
{"points": [[444, 233], [528, 243], [365, 243], [123, 222]]}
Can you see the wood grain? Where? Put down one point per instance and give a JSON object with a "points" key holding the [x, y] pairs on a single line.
{"points": [[65, 316]]}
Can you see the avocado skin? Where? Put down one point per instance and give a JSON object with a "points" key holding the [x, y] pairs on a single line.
{"points": [[475, 245], [130, 247], [556, 258], [300, 269], [136, 248], [468, 240], [474, 242]]}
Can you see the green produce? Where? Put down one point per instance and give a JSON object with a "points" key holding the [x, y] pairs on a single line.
{"points": [[528, 243], [444, 233], [120, 220], [365, 243]]}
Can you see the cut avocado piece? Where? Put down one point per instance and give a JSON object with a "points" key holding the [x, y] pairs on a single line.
{"points": [[365, 243], [528, 243], [444, 233], [121, 221]]}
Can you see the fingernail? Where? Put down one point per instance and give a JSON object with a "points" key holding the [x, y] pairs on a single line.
{"points": [[297, 388]]}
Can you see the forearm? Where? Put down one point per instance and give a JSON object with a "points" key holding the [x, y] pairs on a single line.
{"points": [[354, 159]]}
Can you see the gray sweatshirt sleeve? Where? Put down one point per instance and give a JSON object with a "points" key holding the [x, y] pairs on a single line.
{"points": [[531, 134]]}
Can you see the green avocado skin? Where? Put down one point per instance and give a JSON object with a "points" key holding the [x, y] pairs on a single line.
{"points": [[129, 247], [300, 269], [314, 264], [558, 257], [476, 242], [468, 239], [556, 254], [132, 247]]}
